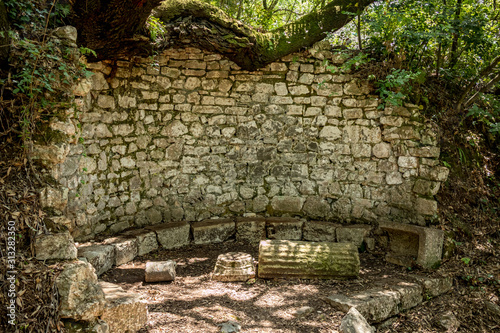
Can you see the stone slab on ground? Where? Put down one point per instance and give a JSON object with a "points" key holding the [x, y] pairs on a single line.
{"points": [[213, 231], [283, 228], [58, 246], [405, 240], [319, 231], [157, 271], [125, 249], [307, 260], [172, 235], [354, 322], [353, 234], [146, 240], [123, 311], [434, 286], [101, 256], [234, 266], [80, 296], [250, 229]]}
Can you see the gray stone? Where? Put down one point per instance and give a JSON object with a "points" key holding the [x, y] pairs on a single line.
{"points": [[250, 229], [123, 311], [316, 207], [172, 235], [434, 286], [318, 231], [66, 32], [303, 311], [125, 249], [284, 228], [234, 266], [146, 240], [426, 187], [55, 247], [102, 257], [157, 271], [212, 231], [447, 322], [80, 297], [98, 326], [423, 244], [354, 234], [230, 327], [354, 322], [287, 204]]}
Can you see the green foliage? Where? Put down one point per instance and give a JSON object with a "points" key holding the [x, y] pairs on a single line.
{"points": [[396, 86], [155, 28], [490, 116], [466, 260]]}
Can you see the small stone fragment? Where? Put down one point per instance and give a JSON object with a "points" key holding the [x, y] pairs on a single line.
{"points": [[230, 327], [447, 322], [354, 322], [157, 271], [303, 311]]}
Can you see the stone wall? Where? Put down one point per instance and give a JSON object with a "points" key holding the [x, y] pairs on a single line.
{"points": [[189, 136]]}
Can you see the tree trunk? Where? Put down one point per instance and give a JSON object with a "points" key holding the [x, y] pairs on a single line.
{"points": [[4, 36]]}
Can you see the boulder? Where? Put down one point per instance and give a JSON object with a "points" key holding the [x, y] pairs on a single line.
{"points": [[58, 246]]}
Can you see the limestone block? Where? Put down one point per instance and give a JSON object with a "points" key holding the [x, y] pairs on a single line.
{"points": [[306, 260], [426, 206], [125, 249], [250, 229], [172, 235], [66, 32], [382, 150], [354, 322], [81, 298], [424, 244], [234, 266], [426, 187], [123, 311], [316, 207], [284, 228], [213, 231], [287, 204], [410, 294], [354, 234], [318, 231], [51, 154], [146, 240], [101, 257], [58, 246], [157, 271], [434, 286]]}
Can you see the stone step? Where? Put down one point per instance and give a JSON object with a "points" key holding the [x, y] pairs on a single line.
{"points": [[101, 256], [124, 312]]}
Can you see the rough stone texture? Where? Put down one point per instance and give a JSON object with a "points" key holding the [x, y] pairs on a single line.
{"points": [[101, 257], [353, 234], [234, 266], [172, 235], [423, 244], [212, 231], [125, 249], [318, 231], [284, 228], [447, 322], [354, 322], [250, 229], [81, 298], [175, 142], [434, 286], [123, 311], [55, 246], [317, 260], [146, 240], [157, 271], [98, 326]]}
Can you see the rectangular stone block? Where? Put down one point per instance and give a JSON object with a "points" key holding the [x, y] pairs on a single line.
{"points": [[172, 235], [125, 249], [250, 229], [424, 245], [284, 228], [435, 286], [353, 234], [157, 271], [146, 240], [213, 231], [319, 231], [307, 260], [102, 257]]}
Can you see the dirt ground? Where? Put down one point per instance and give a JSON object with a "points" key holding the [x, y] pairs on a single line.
{"points": [[195, 303]]}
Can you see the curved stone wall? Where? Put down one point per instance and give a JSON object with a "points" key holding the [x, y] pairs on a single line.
{"points": [[189, 136]]}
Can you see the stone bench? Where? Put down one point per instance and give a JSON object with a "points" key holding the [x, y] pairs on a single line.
{"points": [[410, 244]]}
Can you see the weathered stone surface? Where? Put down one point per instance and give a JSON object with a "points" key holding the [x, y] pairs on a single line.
{"points": [[447, 322], [58, 246], [66, 32], [287, 204], [250, 229], [318, 231], [317, 260], [172, 235], [81, 298], [98, 326], [101, 257], [425, 245], [284, 228], [125, 249], [434, 286], [157, 271], [146, 240], [212, 231], [234, 266], [354, 322], [354, 234], [410, 294], [123, 311]]}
